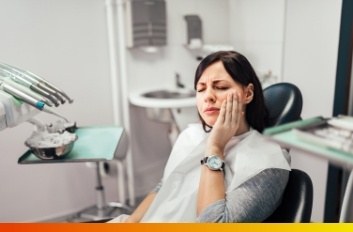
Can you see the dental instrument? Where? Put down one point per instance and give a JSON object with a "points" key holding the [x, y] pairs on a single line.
{"points": [[40, 105], [27, 90], [25, 77], [19, 78], [39, 82]]}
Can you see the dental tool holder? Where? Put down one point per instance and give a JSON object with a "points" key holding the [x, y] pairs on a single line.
{"points": [[24, 94]]}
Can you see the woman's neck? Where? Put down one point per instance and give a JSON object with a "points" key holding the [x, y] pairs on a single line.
{"points": [[244, 127]]}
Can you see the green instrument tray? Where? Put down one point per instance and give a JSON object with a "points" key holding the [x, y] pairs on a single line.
{"points": [[93, 144]]}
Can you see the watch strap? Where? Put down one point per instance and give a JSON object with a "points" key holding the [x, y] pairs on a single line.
{"points": [[204, 160]]}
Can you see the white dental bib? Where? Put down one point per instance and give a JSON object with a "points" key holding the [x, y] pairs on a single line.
{"points": [[177, 196], [246, 156]]}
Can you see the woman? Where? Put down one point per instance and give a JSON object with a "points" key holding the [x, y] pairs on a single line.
{"points": [[221, 170]]}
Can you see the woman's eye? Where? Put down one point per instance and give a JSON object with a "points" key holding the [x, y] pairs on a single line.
{"points": [[200, 90], [222, 87]]}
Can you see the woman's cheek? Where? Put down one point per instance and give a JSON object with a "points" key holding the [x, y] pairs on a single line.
{"points": [[199, 105]]}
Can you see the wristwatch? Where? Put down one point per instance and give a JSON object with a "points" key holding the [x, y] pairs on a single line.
{"points": [[213, 162]]}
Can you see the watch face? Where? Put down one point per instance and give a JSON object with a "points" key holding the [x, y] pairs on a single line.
{"points": [[214, 162]]}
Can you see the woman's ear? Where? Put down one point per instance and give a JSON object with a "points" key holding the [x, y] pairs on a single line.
{"points": [[249, 93]]}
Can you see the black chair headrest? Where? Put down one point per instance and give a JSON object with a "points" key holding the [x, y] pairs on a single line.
{"points": [[284, 103]]}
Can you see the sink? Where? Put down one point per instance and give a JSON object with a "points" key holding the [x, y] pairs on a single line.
{"points": [[164, 98], [176, 106], [170, 94]]}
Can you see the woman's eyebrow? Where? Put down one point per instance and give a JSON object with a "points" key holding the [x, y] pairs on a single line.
{"points": [[213, 82], [220, 81]]}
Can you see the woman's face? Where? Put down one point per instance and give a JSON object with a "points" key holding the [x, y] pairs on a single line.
{"points": [[212, 89]]}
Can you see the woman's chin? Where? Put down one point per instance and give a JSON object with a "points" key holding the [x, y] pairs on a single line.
{"points": [[210, 123], [210, 120]]}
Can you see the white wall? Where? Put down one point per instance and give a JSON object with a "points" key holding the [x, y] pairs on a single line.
{"points": [[256, 30]]}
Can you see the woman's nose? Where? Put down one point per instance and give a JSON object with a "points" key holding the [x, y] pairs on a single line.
{"points": [[209, 95]]}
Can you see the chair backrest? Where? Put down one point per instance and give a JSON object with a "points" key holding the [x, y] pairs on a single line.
{"points": [[284, 103], [297, 200]]}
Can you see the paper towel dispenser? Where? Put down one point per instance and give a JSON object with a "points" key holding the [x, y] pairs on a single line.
{"points": [[146, 23]]}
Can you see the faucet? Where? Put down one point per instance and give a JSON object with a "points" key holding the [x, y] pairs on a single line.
{"points": [[178, 82]]}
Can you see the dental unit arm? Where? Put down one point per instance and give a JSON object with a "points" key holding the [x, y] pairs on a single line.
{"points": [[24, 94]]}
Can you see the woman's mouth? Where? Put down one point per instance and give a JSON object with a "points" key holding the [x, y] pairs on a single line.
{"points": [[211, 110]]}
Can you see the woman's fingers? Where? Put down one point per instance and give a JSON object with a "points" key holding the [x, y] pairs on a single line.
{"points": [[222, 113], [235, 106], [232, 109], [230, 112], [228, 115], [236, 112], [225, 114]]}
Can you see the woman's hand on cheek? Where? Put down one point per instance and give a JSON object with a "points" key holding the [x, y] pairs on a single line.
{"points": [[226, 125]]}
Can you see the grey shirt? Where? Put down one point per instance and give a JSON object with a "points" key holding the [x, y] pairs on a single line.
{"points": [[253, 201]]}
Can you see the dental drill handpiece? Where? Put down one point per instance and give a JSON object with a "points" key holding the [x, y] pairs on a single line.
{"points": [[49, 85], [24, 75], [42, 82], [19, 79], [27, 98], [20, 76], [26, 90], [21, 95]]}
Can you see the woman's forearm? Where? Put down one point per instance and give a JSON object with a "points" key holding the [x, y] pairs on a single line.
{"points": [[211, 188], [140, 211]]}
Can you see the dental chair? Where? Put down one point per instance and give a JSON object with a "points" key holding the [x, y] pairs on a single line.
{"points": [[284, 102], [297, 200]]}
